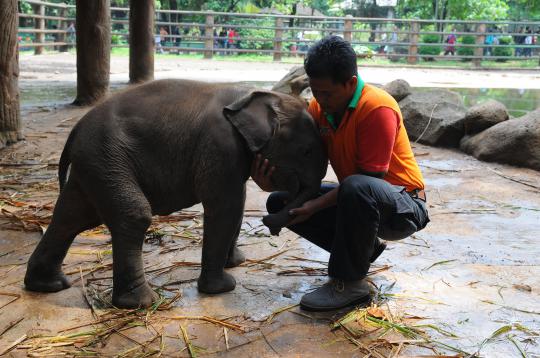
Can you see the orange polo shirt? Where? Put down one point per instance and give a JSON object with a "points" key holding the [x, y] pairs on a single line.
{"points": [[371, 137]]}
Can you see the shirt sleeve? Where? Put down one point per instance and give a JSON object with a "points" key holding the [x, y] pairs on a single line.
{"points": [[376, 136]]}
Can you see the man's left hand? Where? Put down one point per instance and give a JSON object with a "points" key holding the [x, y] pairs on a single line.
{"points": [[303, 213]]}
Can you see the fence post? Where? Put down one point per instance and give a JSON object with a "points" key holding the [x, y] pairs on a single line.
{"points": [[479, 51], [278, 39], [209, 34], [347, 29], [413, 43], [39, 25]]}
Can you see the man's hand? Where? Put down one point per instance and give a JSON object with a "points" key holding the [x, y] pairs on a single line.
{"points": [[260, 173], [303, 213]]}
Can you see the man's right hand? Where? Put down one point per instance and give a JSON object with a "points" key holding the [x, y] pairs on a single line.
{"points": [[260, 173]]}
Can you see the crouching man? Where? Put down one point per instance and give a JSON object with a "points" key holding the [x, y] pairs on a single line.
{"points": [[381, 190]]}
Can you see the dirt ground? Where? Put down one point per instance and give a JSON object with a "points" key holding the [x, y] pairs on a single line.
{"points": [[467, 284]]}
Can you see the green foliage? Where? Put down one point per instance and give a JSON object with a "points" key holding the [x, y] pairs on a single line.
{"points": [[455, 10], [466, 51], [430, 50], [257, 33], [503, 51], [524, 10], [117, 39]]}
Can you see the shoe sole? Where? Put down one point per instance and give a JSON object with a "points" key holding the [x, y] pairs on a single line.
{"points": [[360, 301]]}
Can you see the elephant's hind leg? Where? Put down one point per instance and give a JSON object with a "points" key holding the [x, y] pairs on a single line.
{"points": [[73, 214]]}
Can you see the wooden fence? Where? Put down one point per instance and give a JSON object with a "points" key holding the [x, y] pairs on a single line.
{"points": [[286, 35]]}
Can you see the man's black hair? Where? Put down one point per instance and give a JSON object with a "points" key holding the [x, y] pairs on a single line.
{"points": [[331, 57]]}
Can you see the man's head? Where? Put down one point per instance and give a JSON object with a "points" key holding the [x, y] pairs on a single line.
{"points": [[333, 74]]}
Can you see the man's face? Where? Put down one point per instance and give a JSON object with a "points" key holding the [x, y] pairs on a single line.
{"points": [[333, 97]]}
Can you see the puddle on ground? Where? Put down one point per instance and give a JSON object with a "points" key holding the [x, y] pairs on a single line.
{"points": [[518, 101], [442, 182]]}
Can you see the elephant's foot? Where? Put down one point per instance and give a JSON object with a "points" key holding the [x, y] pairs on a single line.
{"points": [[139, 297], [43, 280], [236, 257], [216, 282]]}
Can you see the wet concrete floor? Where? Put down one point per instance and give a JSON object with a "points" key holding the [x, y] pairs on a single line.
{"points": [[474, 271]]}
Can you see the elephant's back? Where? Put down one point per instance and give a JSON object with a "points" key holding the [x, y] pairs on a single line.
{"points": [[175, 98]]}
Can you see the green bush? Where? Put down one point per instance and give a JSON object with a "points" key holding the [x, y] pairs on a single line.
{"points": [[116, 39], [430, 50], [466, 51], [503, 51]]}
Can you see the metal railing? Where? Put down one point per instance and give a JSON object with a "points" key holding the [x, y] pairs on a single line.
{"points": [[288, 35]]}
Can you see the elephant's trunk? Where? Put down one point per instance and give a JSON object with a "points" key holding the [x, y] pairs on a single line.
{"points": [[280, 219]]}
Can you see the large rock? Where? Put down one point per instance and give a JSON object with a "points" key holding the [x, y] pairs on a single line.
{"points": [[484, 115], [398, 89], [435, 116], [515, 141]]}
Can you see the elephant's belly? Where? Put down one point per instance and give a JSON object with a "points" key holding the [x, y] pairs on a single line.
{"points": [[166, 204]]}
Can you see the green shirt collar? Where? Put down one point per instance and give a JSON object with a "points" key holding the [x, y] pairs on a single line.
{"points": [[357, 93], [352, 104]]}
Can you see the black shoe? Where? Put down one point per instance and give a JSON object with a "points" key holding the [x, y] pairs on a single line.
{"points": [[336, 294]]}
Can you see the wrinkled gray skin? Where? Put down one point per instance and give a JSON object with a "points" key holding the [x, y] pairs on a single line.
{"points": [[164, 146]]}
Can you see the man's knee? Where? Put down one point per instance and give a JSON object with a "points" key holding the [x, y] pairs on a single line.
{"points": [[276, 202], [356, 184]]}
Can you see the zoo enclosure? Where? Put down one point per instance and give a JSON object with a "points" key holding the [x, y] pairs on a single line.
{"points": [[289, 35]]}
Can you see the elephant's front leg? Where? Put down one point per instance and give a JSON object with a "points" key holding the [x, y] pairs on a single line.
{"points": [[236, 256], [222, 219]]}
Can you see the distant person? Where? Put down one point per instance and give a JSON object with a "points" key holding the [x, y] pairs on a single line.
{"points": [[163, 36], [393, 40], [528, 41], [451, 40], [231, 34], [177, 39], [223, 40], [157, 44], [71, 34], [55, 37], [489, 42], [518, 40], [383, 47]]}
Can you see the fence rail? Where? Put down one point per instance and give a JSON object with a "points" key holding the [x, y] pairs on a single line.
{"points": [[289, 35]]}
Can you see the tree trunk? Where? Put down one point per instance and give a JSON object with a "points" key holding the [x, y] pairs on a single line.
{"points": [[93, 26], [10, 115], [141, 41]]}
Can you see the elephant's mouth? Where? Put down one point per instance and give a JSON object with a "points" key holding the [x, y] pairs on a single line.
{"points": [[286, 179]]}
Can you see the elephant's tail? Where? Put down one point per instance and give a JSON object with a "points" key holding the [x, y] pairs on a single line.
{"points": [[65, 159]]}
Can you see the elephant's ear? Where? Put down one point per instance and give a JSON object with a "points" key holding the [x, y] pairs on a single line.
{"points": [[255, 117]]}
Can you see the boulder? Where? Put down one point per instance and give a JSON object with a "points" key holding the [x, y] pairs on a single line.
{"points": [[434, 117], [515, 141], [484, 115], [399, 89], [293, 83]]}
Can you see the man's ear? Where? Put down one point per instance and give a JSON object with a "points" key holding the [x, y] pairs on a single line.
{"points": [[255, 117], [352, 83]]}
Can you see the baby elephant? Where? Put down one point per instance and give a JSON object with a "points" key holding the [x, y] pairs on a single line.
{"points": [[166, 145]]}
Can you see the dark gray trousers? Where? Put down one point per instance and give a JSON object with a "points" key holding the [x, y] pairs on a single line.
{"points": [[367, 208]]}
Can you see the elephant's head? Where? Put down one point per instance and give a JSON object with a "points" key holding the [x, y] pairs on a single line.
{"points": [[279, 127]]}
